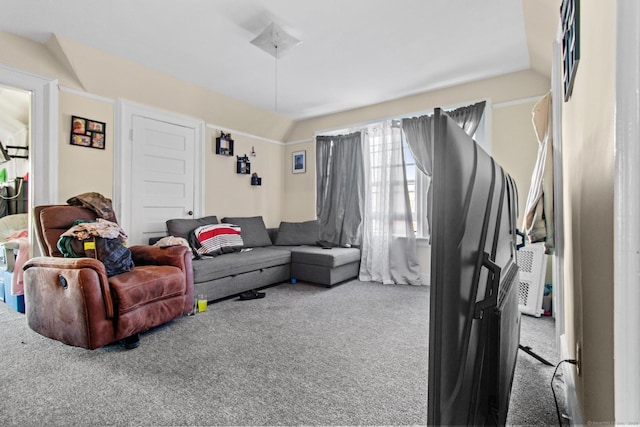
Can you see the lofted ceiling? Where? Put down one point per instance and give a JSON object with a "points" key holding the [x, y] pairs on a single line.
{"points": [[353, 52]]}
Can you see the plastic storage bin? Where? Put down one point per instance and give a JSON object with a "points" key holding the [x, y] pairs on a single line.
{"points": [[16, 302]]}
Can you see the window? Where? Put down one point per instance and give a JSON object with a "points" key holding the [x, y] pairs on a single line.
{"points": [[417, 182]]}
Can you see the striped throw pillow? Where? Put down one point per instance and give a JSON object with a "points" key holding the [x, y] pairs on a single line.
{"points": [[216, 239]]}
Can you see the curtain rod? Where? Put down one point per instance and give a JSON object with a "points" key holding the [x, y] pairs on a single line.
{"points": [[338, 130]]}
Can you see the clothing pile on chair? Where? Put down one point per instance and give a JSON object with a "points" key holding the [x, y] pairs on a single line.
{"points": [[101, 239], [101, 205]]}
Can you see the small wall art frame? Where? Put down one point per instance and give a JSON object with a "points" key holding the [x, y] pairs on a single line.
{"points": [[87, 132], [299, 161], [224, 144], [243, 165], [570, 21]]}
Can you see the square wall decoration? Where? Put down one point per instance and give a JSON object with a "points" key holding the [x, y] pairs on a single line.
{"points": [[570, 21], [87, 133]]}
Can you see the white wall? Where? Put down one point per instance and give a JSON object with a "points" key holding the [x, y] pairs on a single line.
{"points": [[588, 173]]}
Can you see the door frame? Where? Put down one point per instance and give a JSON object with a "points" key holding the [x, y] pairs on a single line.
{"points": [[123, 156], [626, 286], [43, 144], [558, 198]]}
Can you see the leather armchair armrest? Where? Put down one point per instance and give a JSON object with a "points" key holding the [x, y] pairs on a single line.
{"points": [[69, 300], [178, 256], [81, 273]]}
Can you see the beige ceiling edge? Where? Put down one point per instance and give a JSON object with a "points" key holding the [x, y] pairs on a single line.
{"points": [[507, 87], [116, 77], [33, 57], [56, 47], [541, 18]]}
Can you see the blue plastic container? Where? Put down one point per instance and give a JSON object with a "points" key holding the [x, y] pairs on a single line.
{"points": [[14, 301]]}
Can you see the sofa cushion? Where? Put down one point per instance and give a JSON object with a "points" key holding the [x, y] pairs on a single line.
{"points": [[297, 233], [254, 232], [331, 257], [207, 269], [181, 227]]}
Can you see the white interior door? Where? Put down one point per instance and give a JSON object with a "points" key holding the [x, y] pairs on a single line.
{"points": [[162, 187], [159, 162], [158, 169]]}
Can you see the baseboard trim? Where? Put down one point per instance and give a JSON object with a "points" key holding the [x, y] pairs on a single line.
{"points": [[570, 394]]}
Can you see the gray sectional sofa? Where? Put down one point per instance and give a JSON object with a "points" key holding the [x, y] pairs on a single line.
{"points": [[271, 256]]}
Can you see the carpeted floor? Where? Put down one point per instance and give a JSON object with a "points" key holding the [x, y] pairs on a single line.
{"points": [[355, 354], [532, 401]]}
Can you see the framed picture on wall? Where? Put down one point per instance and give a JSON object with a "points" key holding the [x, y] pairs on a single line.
{"points": [[570, 21], [82, 140], [299, 159], [87, 133]]}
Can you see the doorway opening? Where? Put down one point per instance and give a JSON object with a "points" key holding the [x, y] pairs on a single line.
{"points": [[15, 117], [42, 186]]}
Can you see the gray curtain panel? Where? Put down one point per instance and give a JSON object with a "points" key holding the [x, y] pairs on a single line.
{"points": [[468, 117], [418, 132], [340, 190]]}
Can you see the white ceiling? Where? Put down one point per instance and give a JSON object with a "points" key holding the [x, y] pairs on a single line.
{"points": [[354, 52]]}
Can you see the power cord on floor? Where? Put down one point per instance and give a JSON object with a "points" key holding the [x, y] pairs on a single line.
{"points": [[573, 362]]}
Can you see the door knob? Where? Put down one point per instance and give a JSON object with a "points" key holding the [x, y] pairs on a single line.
{"points": [[190, 213]]}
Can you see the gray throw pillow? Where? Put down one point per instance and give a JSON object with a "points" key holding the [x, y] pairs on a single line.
{"points": [[253, 231], [298, 233], [181, 227]]}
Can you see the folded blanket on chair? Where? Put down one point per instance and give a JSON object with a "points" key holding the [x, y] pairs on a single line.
{"points": [[96, 202]]}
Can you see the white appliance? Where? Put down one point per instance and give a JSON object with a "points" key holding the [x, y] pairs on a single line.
{"points": [[533, 266]]}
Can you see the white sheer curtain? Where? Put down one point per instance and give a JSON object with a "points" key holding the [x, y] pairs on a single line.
{"points": [[388, 240]]}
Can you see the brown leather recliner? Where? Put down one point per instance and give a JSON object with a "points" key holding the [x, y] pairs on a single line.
{"points": [[72, 300]]}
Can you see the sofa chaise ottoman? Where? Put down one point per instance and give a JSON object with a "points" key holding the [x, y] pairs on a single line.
{"points": [[324, 265]]}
